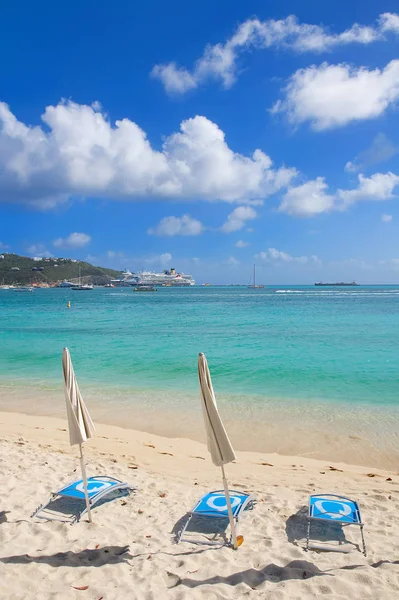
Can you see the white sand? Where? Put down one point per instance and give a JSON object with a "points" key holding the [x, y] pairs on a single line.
{"points": [[40, 559]]}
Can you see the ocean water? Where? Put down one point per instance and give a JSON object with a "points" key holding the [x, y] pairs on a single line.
{"points": [[294, 352]]}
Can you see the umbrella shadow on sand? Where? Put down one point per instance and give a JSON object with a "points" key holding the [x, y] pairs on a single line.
{"points": [[3, 516], [85, 558], [296, 569]]}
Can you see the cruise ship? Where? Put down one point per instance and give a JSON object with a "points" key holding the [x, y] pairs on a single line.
{"points": [[168, 278]]}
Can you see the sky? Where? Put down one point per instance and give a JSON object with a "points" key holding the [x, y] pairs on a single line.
{"points": [[206, 137]]}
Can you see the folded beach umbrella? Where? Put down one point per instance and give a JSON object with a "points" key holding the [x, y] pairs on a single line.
{"points": [[80, 425], [219, 445]]}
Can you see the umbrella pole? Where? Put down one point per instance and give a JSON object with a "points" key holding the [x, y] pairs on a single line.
{"points": [[84, 477], [229, 510]]}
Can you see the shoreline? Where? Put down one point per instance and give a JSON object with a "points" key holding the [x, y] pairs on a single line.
{"points": [[126, 444], [355, 436]]}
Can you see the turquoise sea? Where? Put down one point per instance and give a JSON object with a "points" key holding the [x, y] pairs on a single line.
{"points": [[298, 353]]}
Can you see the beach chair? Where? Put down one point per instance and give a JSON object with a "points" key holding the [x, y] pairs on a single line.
{"points": [[69, 505], [213, 507], [333, 509]]}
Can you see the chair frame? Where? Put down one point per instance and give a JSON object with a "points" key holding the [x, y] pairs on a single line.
{"points": [[94, 499], [345, 523], [248, 503]]}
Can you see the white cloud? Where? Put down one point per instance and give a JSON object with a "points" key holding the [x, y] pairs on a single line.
{"points": [[379, 186], [39, 251], [170, 226], [386, 218], [241, 244], [161, 259], [311, 198], [74, 240], [389, 22], [237, 219], [380, 150], [3, 246], [334, 95], [219, 62], [308, 199], [274, 256], [81, 154], [176, 80], [113, 254], [232, 261]]}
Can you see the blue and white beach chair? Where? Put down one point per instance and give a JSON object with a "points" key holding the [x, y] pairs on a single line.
{"points": [[334, 509], [68, 503], [213, 506]]}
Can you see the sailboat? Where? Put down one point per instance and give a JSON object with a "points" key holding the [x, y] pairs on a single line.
{"points": [[254, 286], [81, 287]]}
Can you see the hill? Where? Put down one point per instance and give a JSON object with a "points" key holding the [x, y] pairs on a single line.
{"points": [[15, 269]]}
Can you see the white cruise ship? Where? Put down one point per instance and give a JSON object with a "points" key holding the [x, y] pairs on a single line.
{"points": [[168, 278]]}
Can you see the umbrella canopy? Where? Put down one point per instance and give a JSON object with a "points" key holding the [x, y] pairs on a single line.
{"points": [[219, 445], [80, 425]]}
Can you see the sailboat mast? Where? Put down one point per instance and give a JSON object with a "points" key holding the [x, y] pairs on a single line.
{"points": [[254, 277]]}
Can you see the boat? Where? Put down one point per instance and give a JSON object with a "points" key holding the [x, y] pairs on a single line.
{"points": [[145, 288], [168, 278], [81, 287], [64, 284], [254, 286], [23, 289], [339, 284]]}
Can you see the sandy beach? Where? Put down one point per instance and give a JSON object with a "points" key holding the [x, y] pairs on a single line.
{"points": [[130, 551]]}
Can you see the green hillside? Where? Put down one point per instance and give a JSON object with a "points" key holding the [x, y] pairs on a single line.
{"points": [[16, 269]]}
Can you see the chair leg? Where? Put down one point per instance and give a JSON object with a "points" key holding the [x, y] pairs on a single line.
{"points": [[363, 542], [307, 536], [184, 529]]}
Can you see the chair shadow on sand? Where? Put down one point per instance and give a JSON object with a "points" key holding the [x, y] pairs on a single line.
{"points": [[212, 531], [322, 531], [85, 558], [70, 509]]}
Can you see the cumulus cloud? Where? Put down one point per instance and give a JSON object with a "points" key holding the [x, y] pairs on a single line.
{"points": [[39, 251], [386, 218], [176, 80], [379, 186], [311, 198], [219, 61], [241, 244], [389, 22], [170, 226], [329, 96], [74, 240], [237, 219], [274, 256], [308, 199], [160, 259], [232, 261], [81, 153], [380, 150]]}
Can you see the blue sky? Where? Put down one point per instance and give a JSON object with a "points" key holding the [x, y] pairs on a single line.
{"points": [[205, 137]]}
